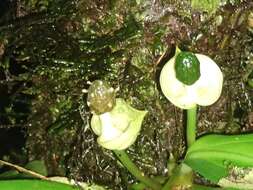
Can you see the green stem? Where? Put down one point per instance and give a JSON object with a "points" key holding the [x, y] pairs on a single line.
{"points": [[190, 138], [182, 175], [132, 168], [191, 125], [173, 178]]}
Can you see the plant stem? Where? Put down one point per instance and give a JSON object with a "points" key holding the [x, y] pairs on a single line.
{"points": [[172, 179], [132, 168], [191, 125], [181, 176]]}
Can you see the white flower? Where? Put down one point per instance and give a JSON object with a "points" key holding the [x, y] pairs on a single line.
{"points": [[119, 128], [205, 91]]}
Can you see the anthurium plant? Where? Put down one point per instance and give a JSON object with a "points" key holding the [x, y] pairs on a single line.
{"points": [[187, 80]]}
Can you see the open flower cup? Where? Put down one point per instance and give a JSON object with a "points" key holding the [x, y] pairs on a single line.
{"points": [[188, 80], [117, 125], [119, 128], [205, 91]]}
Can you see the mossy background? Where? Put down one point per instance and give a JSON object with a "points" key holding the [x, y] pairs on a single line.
{"points": [[49, 50]]}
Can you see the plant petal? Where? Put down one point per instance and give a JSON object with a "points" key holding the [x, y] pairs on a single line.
{"points": [[205, 91], [175, 91], [119, 128], [209, 85]]}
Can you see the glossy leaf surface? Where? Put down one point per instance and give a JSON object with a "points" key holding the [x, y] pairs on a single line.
{"points": [[213, 156]]}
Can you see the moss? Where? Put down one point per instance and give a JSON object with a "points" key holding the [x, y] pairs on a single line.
{"points": [[61, 47]]}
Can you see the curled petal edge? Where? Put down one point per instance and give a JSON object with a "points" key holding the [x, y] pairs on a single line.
{"points": [[121, 137], [205, 91]]}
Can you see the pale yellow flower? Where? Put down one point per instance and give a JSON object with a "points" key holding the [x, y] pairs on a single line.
{"points": [[118, 128], [205, 91]]}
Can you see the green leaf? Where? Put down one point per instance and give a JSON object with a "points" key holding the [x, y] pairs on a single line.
{"points": [[250, 83], [209, 6], [201, 187], [9, 174], [214, 156], [37, 166], [81, 185], [61, 183], [34, 184], [187, 67]]}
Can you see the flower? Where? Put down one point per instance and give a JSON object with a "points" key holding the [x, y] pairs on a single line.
{"points": [[205, 91], [118, 128]]}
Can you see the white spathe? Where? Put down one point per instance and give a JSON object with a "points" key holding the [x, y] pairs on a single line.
{"points": [[205, 91], [119, 128]]}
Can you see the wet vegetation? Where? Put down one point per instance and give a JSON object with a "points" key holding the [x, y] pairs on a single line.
{"points": [[49, 50]]}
